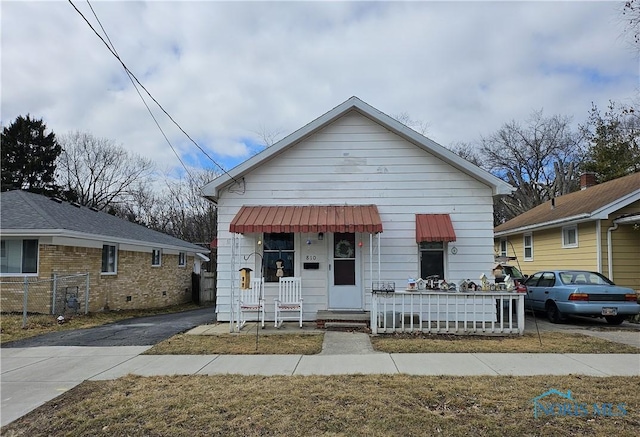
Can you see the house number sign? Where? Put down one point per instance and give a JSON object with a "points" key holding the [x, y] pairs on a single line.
{"points": [[311, 258]]}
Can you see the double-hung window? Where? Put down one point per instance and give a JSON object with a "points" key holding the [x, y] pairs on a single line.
{"points": [[18, 256], [109, 258], [527, 242], [570, 236], [156, 257], [279, 256], [503, 248], [182, 259]]}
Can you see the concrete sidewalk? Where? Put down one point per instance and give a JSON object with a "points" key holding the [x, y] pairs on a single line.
{"points": [[32, 376]]}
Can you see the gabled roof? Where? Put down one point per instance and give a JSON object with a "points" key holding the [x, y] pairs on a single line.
{"points": [[212, 189], [593, 203], [27, 214]]}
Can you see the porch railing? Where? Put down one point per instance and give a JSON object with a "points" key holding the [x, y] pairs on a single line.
{"points": [[488, 313]]}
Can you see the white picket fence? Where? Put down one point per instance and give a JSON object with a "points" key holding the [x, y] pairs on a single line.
{"points": [[484, 313]]}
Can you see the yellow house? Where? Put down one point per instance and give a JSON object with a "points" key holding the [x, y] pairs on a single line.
{"points": [[596, 228]]}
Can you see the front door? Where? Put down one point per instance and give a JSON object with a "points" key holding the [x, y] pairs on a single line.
{"points": [[345, 292]]}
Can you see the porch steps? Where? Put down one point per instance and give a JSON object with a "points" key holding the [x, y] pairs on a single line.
{"points": [[343, 320], [345, 326]]}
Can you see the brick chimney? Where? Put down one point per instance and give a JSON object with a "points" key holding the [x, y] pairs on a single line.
{"points": [[587, 180]]}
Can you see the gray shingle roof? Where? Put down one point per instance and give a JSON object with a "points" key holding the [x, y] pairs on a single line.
{"points": [[26, 212]]}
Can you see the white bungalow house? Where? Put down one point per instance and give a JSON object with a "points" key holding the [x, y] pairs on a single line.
{"points": [[351, 198]]}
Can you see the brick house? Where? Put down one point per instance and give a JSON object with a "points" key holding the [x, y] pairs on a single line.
{"points": [[129, 265]]}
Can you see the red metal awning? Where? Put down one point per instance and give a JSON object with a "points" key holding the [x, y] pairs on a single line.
{"points": [[434, 227], [307, 218]]}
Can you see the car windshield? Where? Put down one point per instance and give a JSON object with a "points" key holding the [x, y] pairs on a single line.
{"points": [[571, 277], [514, 272]]}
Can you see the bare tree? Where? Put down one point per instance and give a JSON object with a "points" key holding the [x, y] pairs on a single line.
{"points": [[269, 136], [467, 151], [631, 18], [538, 158], [190, 215], [419, 126], [96, 172]]}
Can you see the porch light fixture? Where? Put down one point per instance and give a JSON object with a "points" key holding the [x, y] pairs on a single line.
{"points": [[320, 236]]}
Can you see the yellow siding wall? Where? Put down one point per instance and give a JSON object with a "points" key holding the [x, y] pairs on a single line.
{"points": [[149, 287], [625, 243], [548, 252]]}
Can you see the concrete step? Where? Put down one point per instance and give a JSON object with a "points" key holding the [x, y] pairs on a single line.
{"points": [[345, 325]]}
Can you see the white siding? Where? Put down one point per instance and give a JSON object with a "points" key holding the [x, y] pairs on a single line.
{"points": [[356, 161]]}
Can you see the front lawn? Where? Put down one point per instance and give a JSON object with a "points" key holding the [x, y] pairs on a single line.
{"points": [[355, 405]]}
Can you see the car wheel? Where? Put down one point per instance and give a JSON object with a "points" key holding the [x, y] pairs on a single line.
{"points": [[553, 313], [615, 320]]}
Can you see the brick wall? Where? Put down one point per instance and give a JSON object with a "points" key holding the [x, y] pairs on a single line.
{"points": [[136, 284]]}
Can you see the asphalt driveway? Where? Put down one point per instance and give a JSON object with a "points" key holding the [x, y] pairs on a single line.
{"points": [[142, 331], [626, 333]]}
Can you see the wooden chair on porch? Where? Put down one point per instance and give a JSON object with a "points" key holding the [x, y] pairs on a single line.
{"points": [[251, 300], [289, 300]]}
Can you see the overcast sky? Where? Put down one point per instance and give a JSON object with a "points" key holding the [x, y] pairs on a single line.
{"points": [[227, 71]]}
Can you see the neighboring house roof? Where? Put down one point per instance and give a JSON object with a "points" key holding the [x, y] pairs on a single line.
{"points": [[593, 203], [25, 213], [355, 104]]}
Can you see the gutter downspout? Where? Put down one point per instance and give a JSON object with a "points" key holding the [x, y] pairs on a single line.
{"points": [[610, 250], [599, 245]]}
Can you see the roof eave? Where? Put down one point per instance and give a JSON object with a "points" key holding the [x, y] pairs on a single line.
{"points": [[95, 237], [545, 225], [606, 210]]}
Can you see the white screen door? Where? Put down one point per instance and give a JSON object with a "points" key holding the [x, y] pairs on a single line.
{"points": [[345, 291]]}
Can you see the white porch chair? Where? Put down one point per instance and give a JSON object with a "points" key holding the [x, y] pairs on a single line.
{"points": [[251, 301], [289, 300]]}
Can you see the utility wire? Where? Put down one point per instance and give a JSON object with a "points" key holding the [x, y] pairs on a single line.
{"points": [[113, 48], [133, 76]]}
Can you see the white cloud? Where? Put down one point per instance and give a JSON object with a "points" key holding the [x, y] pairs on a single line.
{"points": [[226, 70]]}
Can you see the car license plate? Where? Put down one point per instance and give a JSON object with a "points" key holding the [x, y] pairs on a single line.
{"points": [[608, 311]]}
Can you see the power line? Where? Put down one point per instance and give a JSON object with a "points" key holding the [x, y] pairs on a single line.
{"points": [[140, 94], [133, 77]]}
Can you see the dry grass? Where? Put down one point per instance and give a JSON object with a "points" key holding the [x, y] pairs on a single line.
{"points": [[38, 324], [309, 344], [358, 405], [275, 344], [552, 342]]}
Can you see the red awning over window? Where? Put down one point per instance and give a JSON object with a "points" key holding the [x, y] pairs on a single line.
{"points": [[434, 227], [308, 218]]}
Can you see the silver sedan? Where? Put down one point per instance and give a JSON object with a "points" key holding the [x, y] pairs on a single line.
{"points": [[560, 293]]}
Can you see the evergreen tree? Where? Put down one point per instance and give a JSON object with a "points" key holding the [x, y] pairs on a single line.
{"points": [[29, 156], [614, 137]]}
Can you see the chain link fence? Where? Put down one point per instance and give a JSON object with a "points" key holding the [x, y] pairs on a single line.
{"points": [[62, 295]]}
